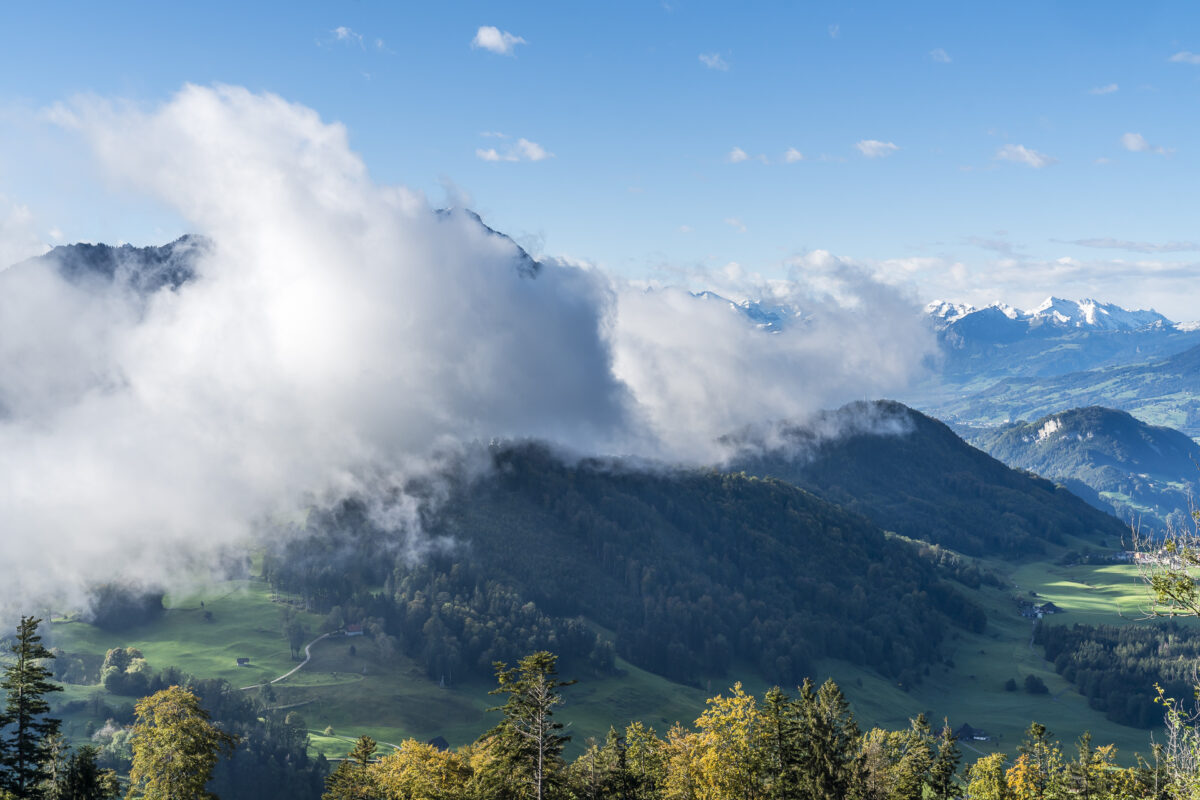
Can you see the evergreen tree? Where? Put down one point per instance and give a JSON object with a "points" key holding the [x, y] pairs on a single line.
{"points": [[352, 779], [912, 772], [83, 779], [175, 747], [942, 785], [26, 750], [528, 740], [616, 778], [827, 766], [781, 719]]}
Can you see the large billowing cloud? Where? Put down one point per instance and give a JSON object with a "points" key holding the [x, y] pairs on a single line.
{"points": [[340, 333]]}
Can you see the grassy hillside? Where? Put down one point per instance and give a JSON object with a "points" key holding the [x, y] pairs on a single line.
{"points": [[395, 700], [352, 692]]}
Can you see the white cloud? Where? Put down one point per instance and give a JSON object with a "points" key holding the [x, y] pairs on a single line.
{"points": [[685, 228], [532, 151], [736, 224], [521, 150], [496, 41], [737, 156], [792, 156], [939, 55], [714, 61], [1020, 154], [1136, 143], [835, 30], [1186, 57], [1109, 89], [873, 148], [347, 35], [340, 332]]}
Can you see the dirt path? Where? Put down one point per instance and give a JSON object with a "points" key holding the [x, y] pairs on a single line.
{"points": [[297, 668], [349, 740]]}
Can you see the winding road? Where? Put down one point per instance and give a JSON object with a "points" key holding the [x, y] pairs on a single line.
{"points": [[297, 668]]}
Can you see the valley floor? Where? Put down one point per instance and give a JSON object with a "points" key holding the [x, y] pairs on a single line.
{"points": [[346, 690]]}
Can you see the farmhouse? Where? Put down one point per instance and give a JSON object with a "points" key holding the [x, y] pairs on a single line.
{"points": [[354, 630], [243, 662], [969, 734]]}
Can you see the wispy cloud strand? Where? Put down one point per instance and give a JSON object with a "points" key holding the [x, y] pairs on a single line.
{"points": [[1020, 154], [1138, 247], [521, 150]]}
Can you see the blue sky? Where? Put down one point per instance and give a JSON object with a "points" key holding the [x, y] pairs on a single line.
{"points": [[974, 151]]}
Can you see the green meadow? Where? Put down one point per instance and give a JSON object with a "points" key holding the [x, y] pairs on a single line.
{"points": [[346, 690]]}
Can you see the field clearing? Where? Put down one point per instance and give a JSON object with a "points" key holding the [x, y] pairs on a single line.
{"points": [[347, 688], [351, 691], [973, 690], [244, 624]]}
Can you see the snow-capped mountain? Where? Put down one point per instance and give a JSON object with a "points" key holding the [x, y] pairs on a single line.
{"points": [[1053, 311], [946, 312], [1094, 314], [980, 346]]}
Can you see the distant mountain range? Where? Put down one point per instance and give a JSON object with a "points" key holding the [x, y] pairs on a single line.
{"points": [[980, 346], [1082, 392], [1142, 473], [1054, 312]]}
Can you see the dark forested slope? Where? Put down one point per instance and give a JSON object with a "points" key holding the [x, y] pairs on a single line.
{"points": [[692, 570], [913, 475]]}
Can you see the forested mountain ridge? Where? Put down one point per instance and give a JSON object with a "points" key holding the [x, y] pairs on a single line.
{"points": [[145, 269], [1137, 470], [691, 569], [920, 479]]}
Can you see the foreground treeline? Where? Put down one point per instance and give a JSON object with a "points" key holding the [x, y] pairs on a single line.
{"points": [[806, 747]]}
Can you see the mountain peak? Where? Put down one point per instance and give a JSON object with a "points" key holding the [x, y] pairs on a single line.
{"points": [[1058, 312]]}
